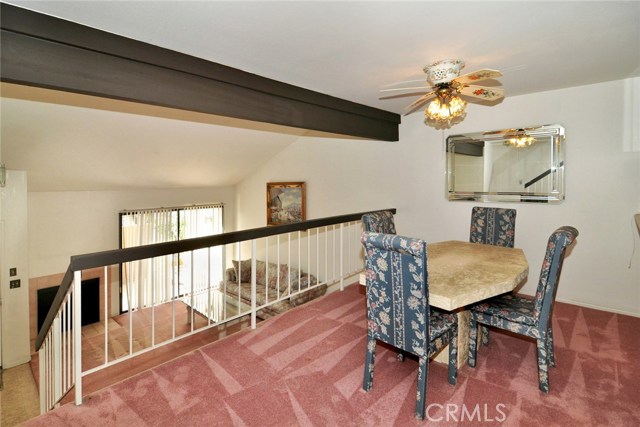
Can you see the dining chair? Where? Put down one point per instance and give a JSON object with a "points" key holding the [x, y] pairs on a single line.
{"points": [[493, 226], [528, 316], [398, 309], [379, 222]]}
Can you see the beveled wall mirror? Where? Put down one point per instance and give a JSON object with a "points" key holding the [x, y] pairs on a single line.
{"points": [[508, 165]]}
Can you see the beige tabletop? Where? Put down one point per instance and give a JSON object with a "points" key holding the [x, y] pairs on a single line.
{"points": [[462, 273]]}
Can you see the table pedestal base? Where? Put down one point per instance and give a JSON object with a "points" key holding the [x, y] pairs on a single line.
{"points": [[463, 340]]}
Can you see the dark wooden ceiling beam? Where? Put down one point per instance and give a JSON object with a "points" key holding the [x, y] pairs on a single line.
{"points": [[43, 51]]}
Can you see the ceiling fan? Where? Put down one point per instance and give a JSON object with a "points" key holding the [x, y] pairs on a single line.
{"points": [[445, 84]]}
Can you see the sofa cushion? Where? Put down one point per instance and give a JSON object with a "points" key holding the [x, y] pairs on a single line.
{"points": [[292, 276], [266, 272], [245, 270]]}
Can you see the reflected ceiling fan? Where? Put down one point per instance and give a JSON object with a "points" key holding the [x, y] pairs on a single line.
{"points": [[445, 84]]}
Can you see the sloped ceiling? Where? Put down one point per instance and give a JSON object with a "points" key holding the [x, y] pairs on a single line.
{"points": [[344, 49]]}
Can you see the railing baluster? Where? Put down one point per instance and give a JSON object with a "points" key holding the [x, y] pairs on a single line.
{"points": [[77, 334], [341, 257], [333, 256], [43, 377], [289, 264], [191, 319], [175, 259], [253, 284], [266, 272], [223, 296], [309, 266], [63, 340], [278, 271], [106, 314], [349, 250], [326, 254], [153, 303], [299, 259], [238, 277], [67, 330], [57, 358], [209, 302]]}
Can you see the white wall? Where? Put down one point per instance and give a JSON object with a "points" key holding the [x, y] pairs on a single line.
{"points": [[62, 224], [14, 332], [602, 185]]}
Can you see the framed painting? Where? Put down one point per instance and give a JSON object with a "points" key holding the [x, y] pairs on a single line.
{"points": [[285, 202]]}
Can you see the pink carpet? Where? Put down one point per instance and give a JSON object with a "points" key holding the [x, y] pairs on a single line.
{"points": [[305, 367]]}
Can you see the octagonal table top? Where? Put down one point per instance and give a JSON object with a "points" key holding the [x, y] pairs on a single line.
{"points": [[463, 273]]}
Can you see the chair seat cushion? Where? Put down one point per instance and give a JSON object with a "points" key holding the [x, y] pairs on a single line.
{"points": [[440, 322], [509, 307]]}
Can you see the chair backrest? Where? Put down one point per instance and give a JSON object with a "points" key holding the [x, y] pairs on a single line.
{"points": [[493, 226], [550, 272], [397, 291], [379, 222]]}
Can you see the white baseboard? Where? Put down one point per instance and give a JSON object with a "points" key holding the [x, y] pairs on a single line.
{"points": [[13, 363], [598, 307]]}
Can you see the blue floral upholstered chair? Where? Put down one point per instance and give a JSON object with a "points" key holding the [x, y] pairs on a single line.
{"points": [[525, 316], [379, 222], [492, 226], [398, 309]]}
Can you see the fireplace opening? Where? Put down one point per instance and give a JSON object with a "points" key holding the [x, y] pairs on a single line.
{"points": [[90, 312]]}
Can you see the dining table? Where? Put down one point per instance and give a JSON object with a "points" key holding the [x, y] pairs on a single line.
{"points": [[463, 273]]}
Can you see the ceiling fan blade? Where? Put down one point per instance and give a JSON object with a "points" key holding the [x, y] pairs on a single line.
{"points": [[477, 76], [403, 82], [418, 103], [484, 93], [405, 88]]}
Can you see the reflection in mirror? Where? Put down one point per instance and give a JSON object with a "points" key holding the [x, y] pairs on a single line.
{"points": [[508, 165]]}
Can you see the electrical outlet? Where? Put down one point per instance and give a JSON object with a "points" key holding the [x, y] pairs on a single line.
{"points": [[14, 284], [13, 272]]}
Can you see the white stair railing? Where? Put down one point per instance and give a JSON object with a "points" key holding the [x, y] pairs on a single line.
{"points": [[327, 250]]}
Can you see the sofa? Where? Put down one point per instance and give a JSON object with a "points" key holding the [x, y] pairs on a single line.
{"points": [[274, 282]]}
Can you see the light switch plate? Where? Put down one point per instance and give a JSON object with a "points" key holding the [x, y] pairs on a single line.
{"points": [[14, 284]]}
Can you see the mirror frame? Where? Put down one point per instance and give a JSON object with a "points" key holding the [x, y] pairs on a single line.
{"points": [[556, 135]]}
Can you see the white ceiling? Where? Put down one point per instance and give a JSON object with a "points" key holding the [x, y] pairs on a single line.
{"points": [[345, 49]]}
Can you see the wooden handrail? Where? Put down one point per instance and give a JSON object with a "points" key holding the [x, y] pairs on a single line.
{"points": [[119, 256]]}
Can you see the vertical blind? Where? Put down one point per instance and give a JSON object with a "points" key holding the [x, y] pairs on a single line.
{"points": [[158, 280]]}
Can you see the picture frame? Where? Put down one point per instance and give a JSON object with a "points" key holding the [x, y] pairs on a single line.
{"points": [[286, 202]]}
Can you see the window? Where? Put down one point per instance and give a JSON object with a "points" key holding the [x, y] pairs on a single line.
{"points": [[156, 281]]}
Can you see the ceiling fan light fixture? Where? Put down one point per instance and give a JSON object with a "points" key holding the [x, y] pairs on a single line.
{"points": [[446, 109], [444, 87], [520, 139]]}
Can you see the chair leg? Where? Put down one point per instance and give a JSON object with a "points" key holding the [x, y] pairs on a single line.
{"points": [[485, 335], [453, 355], [550, 350], [543, 365], [421, 393], [368, 364], [473, 340]]}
